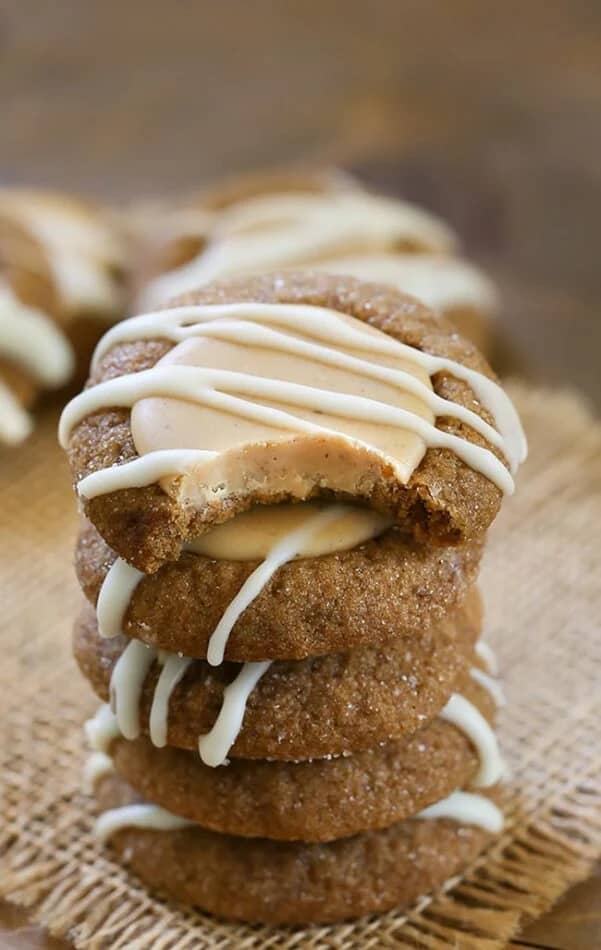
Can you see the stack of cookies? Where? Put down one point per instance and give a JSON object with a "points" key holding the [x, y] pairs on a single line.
{"points": [[62, 264], [324, 220], [287, 482]]}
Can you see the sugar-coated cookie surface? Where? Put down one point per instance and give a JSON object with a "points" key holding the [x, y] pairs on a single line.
{"points": [[319, 800], [450, 495], [311, 606], [293, 882], [307, 708]]}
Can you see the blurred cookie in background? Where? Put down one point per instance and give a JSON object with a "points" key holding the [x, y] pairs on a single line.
{"points": [[322, 220], [63, 265]]}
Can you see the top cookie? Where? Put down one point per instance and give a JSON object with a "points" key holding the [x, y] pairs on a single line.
{"points": [[288, 387]]}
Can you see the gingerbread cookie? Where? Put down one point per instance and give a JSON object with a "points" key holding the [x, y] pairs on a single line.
{"points": [[169, 234], [419, 430], [291, 882], [61, 264], [319, 800], [302, 709], [363, 593], [324, 221]]}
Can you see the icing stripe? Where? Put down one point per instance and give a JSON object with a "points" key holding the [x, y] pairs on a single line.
{"points": [[15, 423], [114, 597], [216, 744], [469, 720], [270, 232], [173, 671], [325, 325], [126, 685], [29, 338], [467, 809], [487, 655], [130, 671], [252, 334], [80, 244], [137, 816], [240, 331]]}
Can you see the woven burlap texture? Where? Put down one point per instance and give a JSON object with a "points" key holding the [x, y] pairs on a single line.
{"points": [[541, 584]]}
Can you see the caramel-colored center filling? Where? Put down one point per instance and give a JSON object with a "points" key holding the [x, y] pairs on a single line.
{"points": [[252, 535], [279, 437]]}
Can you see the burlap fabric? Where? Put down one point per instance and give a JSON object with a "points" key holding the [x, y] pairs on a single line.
{"points": [[541, 584]]}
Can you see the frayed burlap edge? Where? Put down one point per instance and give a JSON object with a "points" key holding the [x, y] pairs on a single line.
{"points": [[540, 584]]}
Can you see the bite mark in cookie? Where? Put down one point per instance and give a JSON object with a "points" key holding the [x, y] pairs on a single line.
{"points": [[340, 400]]}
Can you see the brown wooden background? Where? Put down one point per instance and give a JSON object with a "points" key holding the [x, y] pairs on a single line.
{"points": [[489, 113]]}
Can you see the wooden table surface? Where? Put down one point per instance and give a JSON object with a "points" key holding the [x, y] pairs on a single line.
{"points": [[487, 113]]}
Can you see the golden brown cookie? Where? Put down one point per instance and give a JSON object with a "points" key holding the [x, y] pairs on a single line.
{"points": [[284, 882], [61, 285], [25, 272], [170, 234], [385, 588], [477, 326], [444, 502], [308, 801], [305, 709]]}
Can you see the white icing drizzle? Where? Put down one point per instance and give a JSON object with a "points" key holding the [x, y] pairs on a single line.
{"points": [[258, 336], [137, 816], [328, 326], [468, 809], [31, 339], [101, 729], [130, 670], [270, 232], [127, 680], [173, 671], [142, 471], [464, 716], [15, 424], [115, 594], [490, 684], [97, 765], [126, 686], [487, 655], [290, 546], [324, 325], [216, 744], [203, 386]]}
